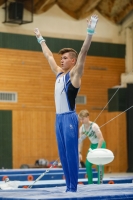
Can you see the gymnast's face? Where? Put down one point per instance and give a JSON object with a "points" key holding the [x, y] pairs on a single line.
{"points": [[67, 62], [84, 120]]}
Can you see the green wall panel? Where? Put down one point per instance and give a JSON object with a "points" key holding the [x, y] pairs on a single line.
{"points": [[119, 100], [6, 139], [26, 42]]}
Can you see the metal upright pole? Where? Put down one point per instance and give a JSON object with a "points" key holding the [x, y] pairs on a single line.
{"points": [[100, 174]]}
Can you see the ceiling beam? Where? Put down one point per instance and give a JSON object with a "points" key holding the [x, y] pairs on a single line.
{"points": [[87, 8], [43, 5], [72, 14], [120, 17], [107, 16], [111, 5]]}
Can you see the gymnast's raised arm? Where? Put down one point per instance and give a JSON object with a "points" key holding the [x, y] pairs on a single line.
{"points": [[78, 69], [47, 53]]}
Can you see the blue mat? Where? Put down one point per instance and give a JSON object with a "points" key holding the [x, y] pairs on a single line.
{"points": [[48, 176], [32, 171], [85, 192], [84, 181]]}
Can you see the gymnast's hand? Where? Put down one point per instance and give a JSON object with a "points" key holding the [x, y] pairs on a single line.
{"points": [[39, 37], [91, 25], [37, 32]]}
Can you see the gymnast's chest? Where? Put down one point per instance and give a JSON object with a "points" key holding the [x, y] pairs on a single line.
{"points": [[59, 85]]}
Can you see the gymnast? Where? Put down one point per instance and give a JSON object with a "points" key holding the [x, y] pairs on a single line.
{"points": [[93, 132], [68, 81]]}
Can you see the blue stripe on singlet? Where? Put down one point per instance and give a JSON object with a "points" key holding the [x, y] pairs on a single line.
{"points": [[66, 81]]}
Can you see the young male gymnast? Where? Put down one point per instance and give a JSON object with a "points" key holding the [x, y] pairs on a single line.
{"points": [[68, 81], [93, 132]]}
